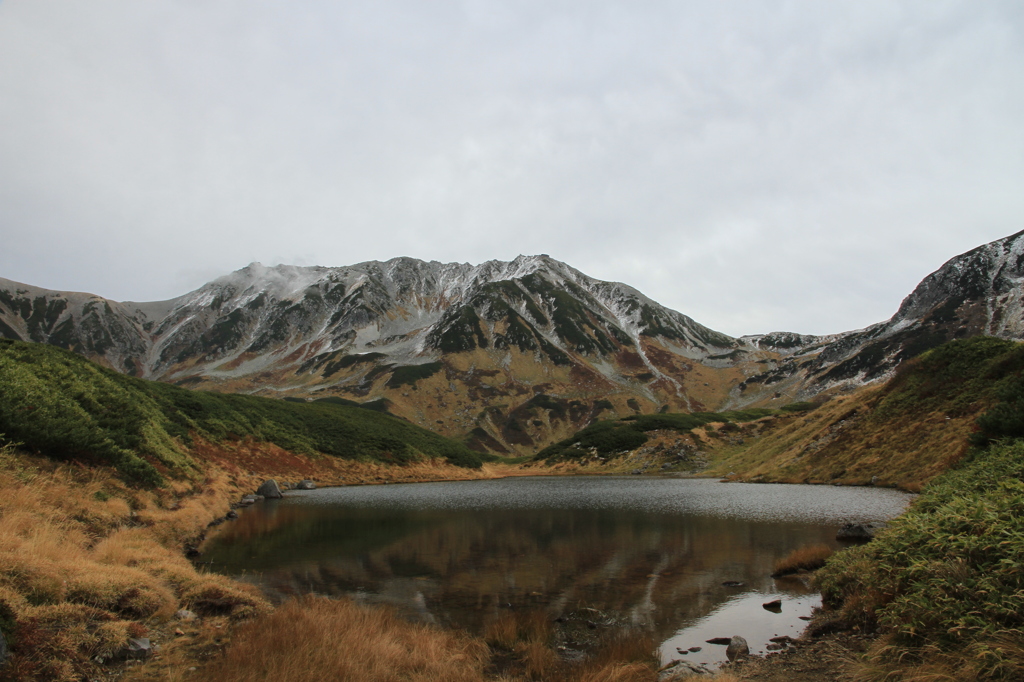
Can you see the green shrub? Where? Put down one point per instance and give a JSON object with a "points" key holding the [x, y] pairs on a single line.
{"points": [[949, 573], [613, 436], [410, 374], [63, 406]]}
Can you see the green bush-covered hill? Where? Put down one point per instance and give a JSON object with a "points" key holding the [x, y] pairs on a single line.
{"points": [[945, 582], [616, 436], [63, 406]]}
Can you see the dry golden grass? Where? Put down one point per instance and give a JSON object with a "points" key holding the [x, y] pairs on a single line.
{"points": [[524, 640], [886, 662], [627, 657], [315, 638], [845, 441], [515, 627], [809, 558], [86, 562]]}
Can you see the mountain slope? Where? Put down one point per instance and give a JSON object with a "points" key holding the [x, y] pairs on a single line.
{"points": [[511, 356], [462, 349], [976, 293], [61, 405]]}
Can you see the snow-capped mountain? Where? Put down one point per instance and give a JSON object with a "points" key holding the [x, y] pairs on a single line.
{"points": [[976, 293], [509, 354], [482, 340]]}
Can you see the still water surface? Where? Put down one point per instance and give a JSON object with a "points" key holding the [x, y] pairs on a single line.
{"points": [[600, 554]]}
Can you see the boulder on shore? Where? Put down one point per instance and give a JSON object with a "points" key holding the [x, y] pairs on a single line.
{"points": [[270, 490], [306, 484], [858, 532], [737, 648]]}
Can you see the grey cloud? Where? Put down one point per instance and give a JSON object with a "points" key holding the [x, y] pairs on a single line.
{"points": [[755, 165]]}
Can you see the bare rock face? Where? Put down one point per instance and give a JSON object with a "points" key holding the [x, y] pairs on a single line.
{"points": [[551, 349], [737, 648], [270, 490], [980, 292]]}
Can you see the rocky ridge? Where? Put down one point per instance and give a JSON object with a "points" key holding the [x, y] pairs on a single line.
{"points": [[511, 355], [976, 293]]}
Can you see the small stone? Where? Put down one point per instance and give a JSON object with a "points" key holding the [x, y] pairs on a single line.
{"points": [[138, 649], [185, 614], [719, 640], [694, 649], [306, 484], [737, 648], [179, 632], [775, 606], [231, 515]]}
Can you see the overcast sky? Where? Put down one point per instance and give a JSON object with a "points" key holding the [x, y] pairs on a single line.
{"points": [[758, 166]]}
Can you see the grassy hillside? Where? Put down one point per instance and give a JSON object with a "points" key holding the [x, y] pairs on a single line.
{"points": [[904, 433], [944, 582], [58, 404], [612, 437]]}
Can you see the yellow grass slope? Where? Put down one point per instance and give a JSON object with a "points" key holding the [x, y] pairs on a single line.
{"points": [[847, 442], [903, 433]]}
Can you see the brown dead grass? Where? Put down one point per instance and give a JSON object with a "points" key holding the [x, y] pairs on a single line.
{"points": [[86, 562], [845, 442], [809, 558], [523, 640], [314, 638], [889, 662]]}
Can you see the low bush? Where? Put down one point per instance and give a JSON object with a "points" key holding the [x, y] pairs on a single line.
{"points": [[947, 575], [408, 375], [613, 436]]}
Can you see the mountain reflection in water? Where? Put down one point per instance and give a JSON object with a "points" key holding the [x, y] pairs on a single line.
{"points": [[606, 553]]}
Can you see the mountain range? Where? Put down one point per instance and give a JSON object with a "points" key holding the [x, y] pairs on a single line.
{"points": [[509, 356]]}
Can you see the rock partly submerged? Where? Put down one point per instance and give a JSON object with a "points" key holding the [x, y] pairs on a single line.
{"points": [[737, 647], [858, 532], [270, 490]]}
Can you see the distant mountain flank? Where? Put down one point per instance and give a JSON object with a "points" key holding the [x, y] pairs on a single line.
{"points": [[978, 293], [509, 355]]}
